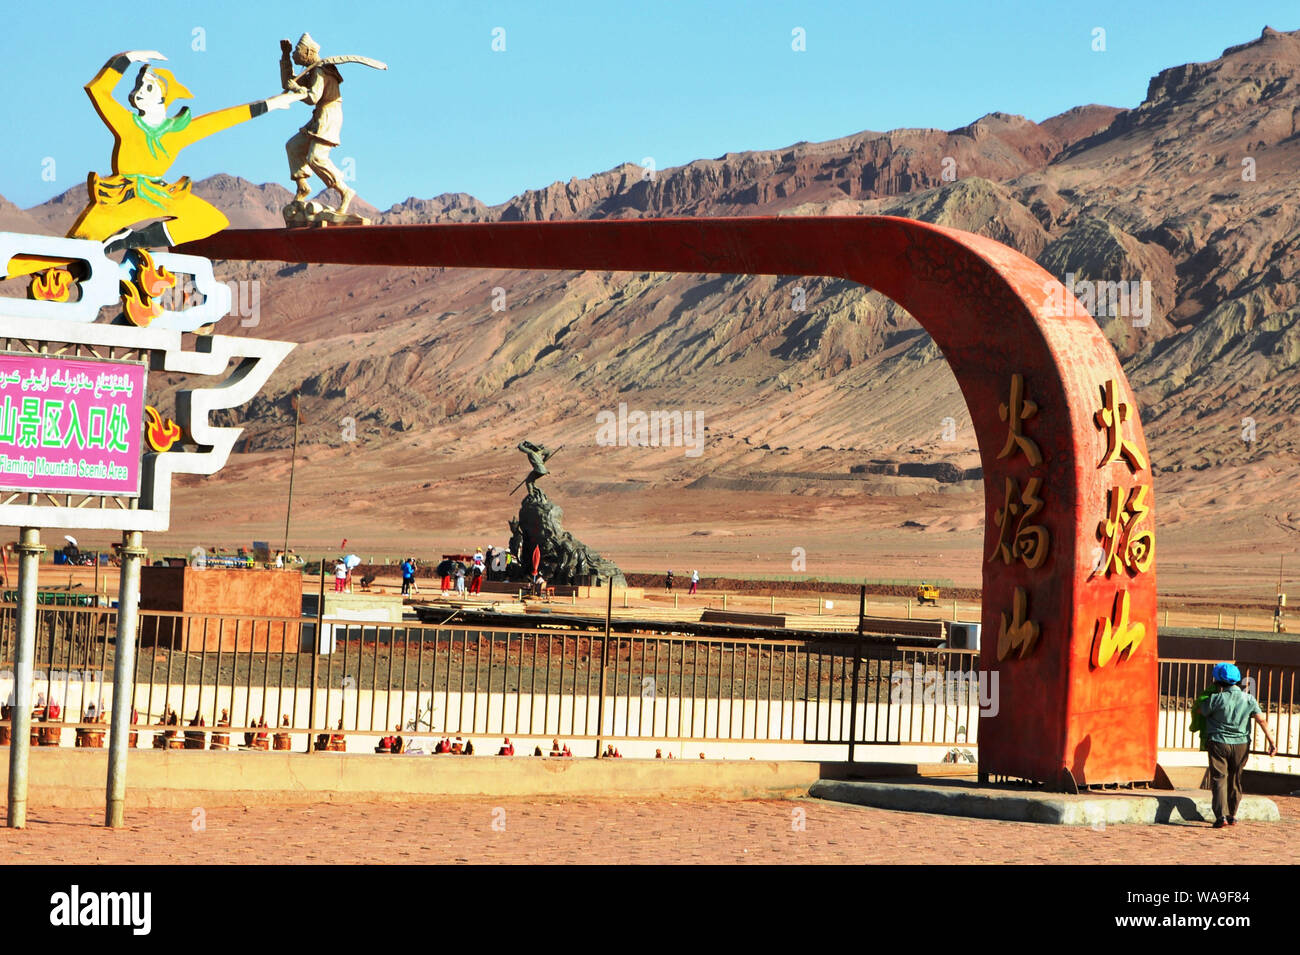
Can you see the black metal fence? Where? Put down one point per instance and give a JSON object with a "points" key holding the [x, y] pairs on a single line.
{"points": [[249, 673]]}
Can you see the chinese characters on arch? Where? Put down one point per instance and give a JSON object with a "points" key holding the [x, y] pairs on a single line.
{"points": [[1020, 537], [1126, 535], [1124, 531]]}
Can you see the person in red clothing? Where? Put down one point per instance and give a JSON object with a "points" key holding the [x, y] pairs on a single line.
{"points": [[477, 570]]}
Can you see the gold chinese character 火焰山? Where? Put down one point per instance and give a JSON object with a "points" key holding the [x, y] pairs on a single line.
{"points": [[1018, 633], [1116, 635], [1111, 418], [1028, 542], [1015, 412], [1122, 546]]}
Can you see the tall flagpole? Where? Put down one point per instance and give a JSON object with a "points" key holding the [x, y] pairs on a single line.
{"points": [[293, 461]]}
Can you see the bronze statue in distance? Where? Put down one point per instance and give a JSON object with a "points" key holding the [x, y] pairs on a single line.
{"points": [[540, 524], [538, 455]]}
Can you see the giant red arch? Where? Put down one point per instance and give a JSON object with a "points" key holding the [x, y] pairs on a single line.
{"points": [[1081, 696]]}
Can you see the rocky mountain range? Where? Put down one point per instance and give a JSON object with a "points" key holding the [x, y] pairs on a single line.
{"points": [[1191, 195]]}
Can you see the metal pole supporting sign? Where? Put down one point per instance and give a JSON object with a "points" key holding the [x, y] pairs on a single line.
{"points": [[20, 738], [119, 479], [128, 606]]}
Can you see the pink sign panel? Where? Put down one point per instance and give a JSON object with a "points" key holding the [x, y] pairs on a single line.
{"points": [[71, 425]]}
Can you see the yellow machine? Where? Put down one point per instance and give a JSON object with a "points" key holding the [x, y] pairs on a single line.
{"points": [[927, 593]]}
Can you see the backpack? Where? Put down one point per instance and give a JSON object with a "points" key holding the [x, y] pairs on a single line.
{"points": [[1198, 724]]}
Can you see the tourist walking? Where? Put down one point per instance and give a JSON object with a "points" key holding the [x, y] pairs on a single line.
{"points": [[460, 578], [476, 572], [668, 582], [1227, 716], [340, 575], [408, 575], [695, 580]]}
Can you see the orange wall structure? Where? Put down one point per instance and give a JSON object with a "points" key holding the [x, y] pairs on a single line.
{"points": [[220, 608]]}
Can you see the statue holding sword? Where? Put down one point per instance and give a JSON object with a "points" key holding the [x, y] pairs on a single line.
{"points": [[309, 149], [538, 455]]}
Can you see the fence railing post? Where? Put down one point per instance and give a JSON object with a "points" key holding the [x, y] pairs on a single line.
{"points": [[315, 658], [604, 657], [857, 671], [20, 715]]}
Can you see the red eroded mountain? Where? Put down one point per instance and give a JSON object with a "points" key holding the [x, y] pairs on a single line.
{"points": [[438, 373]]}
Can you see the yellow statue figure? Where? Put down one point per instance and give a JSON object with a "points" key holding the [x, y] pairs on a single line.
{"points": [[147, 142]]}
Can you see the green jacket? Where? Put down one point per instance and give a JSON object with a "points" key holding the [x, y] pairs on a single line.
{"points": [[1198, 718]]}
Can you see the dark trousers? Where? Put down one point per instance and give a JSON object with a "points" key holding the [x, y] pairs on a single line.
{"points": [[1227, 760]]}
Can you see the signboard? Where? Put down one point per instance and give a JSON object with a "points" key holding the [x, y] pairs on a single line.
{"points": [[71, 425]]}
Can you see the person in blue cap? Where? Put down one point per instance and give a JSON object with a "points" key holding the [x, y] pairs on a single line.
{"points": [[1227, 716]]}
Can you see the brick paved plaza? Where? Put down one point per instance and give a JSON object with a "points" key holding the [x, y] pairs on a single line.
{"points": [[545, 830]]}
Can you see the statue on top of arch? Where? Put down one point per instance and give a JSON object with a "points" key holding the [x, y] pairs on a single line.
{"points": [[309, 149]]}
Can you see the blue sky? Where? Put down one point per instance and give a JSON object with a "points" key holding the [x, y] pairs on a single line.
{"points": [[583, 86]]}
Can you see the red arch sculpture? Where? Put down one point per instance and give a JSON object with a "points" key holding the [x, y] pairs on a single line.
{"points": [[1069, 618]]}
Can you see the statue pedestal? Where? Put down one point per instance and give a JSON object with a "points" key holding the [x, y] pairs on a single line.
{"points": [[565, 560], [314, 214]]}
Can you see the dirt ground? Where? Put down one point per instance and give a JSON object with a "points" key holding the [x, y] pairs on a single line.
{"points": [[623, 831]]}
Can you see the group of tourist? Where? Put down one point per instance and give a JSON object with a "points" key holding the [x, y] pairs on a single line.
{"points": [[695, 581], [456, 572]]}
